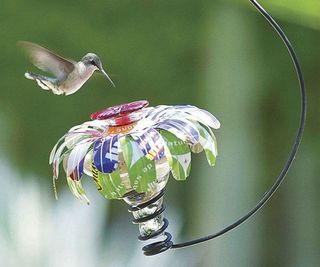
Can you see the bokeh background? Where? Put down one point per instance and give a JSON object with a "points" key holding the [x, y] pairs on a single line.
{"points": [[218, 55]]}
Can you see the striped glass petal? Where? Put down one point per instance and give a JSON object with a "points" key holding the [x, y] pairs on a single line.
{"points": [[106, 154], [183, 129], [150, 143], [77, 155]]}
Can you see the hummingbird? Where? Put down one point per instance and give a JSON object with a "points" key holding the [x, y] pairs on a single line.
{"points": [[69, 75]]}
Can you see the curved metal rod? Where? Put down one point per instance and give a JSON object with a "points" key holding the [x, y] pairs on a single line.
{"points": [[294, 148]]}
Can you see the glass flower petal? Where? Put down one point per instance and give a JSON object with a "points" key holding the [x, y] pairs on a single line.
{"points": [[77, 190], [208, 144], [141, 170], [196, 114], [183, 129], [77, 173], [181, 156], [77, 155], [110, 185], [105, 154], [150, 143]]}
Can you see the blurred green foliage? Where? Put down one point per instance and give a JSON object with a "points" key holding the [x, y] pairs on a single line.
{"points": [[218, 55]]}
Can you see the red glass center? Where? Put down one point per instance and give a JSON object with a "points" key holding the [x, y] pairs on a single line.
{"points": [[120, 113]]}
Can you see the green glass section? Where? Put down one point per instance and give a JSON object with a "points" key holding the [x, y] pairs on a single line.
{"points": [[141, 170], [110, 185], [181, 156], [209, 144]]}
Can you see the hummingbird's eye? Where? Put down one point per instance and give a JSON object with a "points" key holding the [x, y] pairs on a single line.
{"points": [[92, 62]]}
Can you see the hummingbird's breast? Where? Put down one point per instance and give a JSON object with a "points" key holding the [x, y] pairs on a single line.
{"points": [[76, 78]]}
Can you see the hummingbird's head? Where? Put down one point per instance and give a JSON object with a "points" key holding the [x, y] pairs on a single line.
{"points": [[92, 60]]}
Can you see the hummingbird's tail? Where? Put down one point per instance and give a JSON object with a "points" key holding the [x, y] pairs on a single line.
{"points": [[44, 82]]}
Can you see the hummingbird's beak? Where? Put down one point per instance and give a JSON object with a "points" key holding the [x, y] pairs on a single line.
{"points": [[105, 74]]}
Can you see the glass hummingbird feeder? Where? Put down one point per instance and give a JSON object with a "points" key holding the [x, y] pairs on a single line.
{"points": [[130, 150]]}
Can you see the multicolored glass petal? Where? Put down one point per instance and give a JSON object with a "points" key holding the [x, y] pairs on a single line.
{"points": [[105, 154], [181, 156], [141, 170]]}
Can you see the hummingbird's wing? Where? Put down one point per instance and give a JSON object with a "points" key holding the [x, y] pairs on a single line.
{"points": [[47, 60]]}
